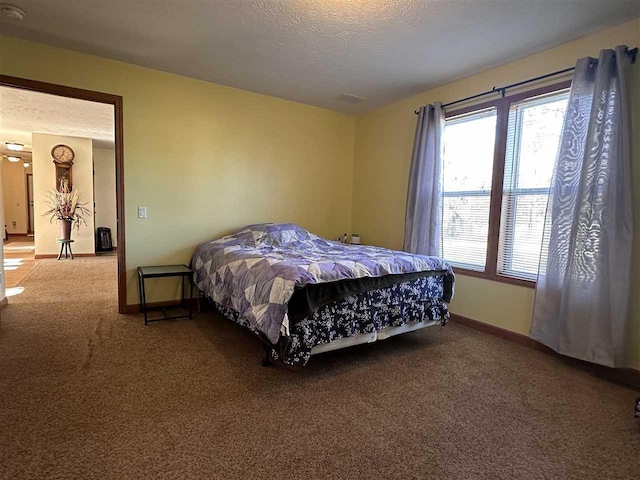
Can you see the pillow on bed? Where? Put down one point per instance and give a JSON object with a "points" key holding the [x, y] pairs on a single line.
{"points": [[273, 234]]}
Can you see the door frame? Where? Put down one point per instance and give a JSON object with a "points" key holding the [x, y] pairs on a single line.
{"points": [[116, 101], [27, 175]]}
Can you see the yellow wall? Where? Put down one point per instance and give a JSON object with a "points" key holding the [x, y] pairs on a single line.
{"points": [[206, 159], [104, 192], [44, 181], [14, 193], [384, 139], [2, 274]]}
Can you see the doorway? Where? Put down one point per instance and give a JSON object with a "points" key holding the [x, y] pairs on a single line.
{"points": [[30, 217], [118, 153]]}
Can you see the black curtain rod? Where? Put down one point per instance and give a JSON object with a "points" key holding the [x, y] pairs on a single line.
{"points": [[502, 90]]}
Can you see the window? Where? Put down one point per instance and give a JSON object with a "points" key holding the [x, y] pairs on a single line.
{"points": [[532, 142], [468, 168], [498, 163]]}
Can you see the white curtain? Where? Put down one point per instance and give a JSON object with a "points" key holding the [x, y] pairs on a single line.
{"points": [[582, 295], [423, 218]]}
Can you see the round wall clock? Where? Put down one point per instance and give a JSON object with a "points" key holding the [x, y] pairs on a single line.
{"points": [[62, 154]]}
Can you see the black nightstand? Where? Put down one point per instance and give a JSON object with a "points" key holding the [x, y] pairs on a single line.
{"points": [[163, 271]]}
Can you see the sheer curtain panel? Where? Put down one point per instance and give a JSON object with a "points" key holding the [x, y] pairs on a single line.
{"points": [[583, 287]]}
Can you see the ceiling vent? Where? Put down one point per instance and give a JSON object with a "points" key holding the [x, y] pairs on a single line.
{"points": [[12, 12], [349, 98]]}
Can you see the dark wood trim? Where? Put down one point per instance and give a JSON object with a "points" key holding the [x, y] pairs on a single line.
{"points": [[60, 90], [502, 106], [627, 376], [497, 181], [516, 97], [137, 308], [117, 102], [536, 92], [27, 175], [499, 332], [473, 108], [120, 215], [42, 256], [521, 282], [9, 235]]}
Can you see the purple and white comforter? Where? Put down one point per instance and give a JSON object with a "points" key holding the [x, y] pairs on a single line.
{"points": [[255, 270]]}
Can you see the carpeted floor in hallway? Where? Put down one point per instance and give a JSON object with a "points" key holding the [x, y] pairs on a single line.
{"points": [[86, 393]]}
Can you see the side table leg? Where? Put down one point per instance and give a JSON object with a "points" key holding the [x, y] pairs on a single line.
{"points": [[182, 301], [70, 252], [190, 297], [61, 248], [143, 298]]}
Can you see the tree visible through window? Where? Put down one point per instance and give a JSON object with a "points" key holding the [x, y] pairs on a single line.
{"points": [[468, 165], [532, 143], [497, 229]]}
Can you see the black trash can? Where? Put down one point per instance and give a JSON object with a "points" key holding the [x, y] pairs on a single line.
{"points": [[103, 240]]}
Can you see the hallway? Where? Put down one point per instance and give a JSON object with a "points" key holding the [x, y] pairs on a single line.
{"points": [[19, 260]]}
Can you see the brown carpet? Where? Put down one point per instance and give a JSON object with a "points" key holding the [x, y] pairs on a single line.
{"points": [[86, 393]]}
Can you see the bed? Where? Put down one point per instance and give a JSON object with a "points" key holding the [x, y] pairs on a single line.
{"points": [[304, 295]]}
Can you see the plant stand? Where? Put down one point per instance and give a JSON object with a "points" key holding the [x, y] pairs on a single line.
{"points": [[66, 246]]}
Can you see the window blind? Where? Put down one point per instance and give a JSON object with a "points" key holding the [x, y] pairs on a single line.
{"points": [[469, 144], [533, 134]]}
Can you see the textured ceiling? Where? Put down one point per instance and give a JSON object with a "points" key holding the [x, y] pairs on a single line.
{"points": [[23, 112], [311, 51]]}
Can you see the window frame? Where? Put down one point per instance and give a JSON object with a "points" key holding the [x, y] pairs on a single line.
{"points": [[502, 106]]}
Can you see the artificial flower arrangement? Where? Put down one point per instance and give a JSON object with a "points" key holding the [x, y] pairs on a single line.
{"points": [[65, 207]]}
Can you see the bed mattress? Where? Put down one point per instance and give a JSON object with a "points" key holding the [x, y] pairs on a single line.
{"points": [[360, 318]]}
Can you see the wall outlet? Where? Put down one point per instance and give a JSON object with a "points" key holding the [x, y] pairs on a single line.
{"points": [[142, 212]]}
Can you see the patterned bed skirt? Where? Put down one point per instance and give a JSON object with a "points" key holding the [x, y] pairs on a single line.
{"points": [[399, 304]]}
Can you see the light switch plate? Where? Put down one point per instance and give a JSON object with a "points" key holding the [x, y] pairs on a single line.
{"points": [[142, 212]]}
